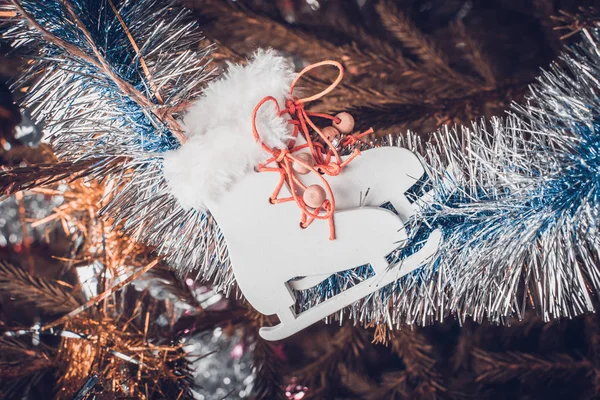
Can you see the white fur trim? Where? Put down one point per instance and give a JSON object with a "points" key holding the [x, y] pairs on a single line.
{"points": [[220, 146]]}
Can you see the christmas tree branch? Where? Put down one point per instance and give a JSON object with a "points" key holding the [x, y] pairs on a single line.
{"points": [[341, 353], [500, 367], [388, 118], [342, 24], [431, 58], [394, 386], [418, 357], [268, 370], [478, 60], [24, 178], [100, 63], [264, 31], [97, 299], [51, 297], [587, 17], [401, 28], [22, 365]]}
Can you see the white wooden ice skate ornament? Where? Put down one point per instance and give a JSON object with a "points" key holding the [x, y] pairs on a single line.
{"points": [[271, 254]]}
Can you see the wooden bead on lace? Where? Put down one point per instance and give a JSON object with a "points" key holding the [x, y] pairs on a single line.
{"points": [[346, 124], [314, 196], [307, 158]]}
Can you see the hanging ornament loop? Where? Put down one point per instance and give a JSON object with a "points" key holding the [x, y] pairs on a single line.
{"points": [[327, 158]]}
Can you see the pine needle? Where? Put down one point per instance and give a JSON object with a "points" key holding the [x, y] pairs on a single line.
{"points": [[419, 358], [269, 378], [24, 178], [24, 288], [492, 367], [259, 30], [474, 54], [411, 38]]}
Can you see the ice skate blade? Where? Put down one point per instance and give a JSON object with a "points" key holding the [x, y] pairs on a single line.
{"points": [[355, 293]]}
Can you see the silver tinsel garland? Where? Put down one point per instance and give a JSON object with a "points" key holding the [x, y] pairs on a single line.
{"points": [[517, 197], [518, 201], [87, 115]]}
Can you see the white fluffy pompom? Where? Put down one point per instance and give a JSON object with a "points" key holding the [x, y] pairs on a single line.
{"points": [[220, 146]]}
